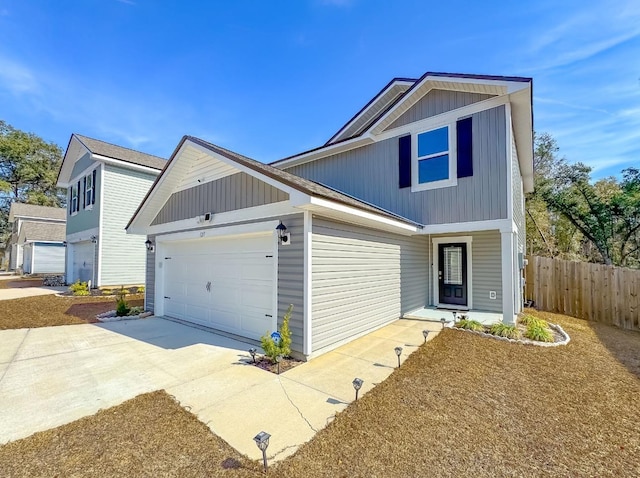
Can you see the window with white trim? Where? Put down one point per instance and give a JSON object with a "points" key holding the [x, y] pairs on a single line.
{"points": [[88, 190], [434, 158], [74, 199]]}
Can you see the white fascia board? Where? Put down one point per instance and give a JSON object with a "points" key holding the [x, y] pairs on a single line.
{"points": [[125, 164], [523, 133], [281, 208], [67, 166], [502, 225], [374, 218], [330, 149]]}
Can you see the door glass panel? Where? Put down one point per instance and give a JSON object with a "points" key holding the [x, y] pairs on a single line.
{"points": [[453, 265]]}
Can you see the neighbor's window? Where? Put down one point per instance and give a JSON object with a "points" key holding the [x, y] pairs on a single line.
{"points": [[433, 155], [74, 199], [89, 190]]}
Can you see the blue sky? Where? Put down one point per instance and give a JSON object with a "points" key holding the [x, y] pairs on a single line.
{"points": [[271, 79]]}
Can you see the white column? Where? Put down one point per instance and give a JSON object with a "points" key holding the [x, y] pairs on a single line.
{"points": [[508, 266], [307, 347]]}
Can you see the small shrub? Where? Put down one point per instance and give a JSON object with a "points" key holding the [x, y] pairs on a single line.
{"points": [[538, 332], [106, 292], [136, 310], [79, 293], [469, 325], [504, 330], [122, 308], [79, 288], [140, 290], [530, 320], [270, 347]]}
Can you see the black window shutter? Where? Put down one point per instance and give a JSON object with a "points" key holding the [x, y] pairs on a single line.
{"points": [[404, 161], [93, 188], [84, 192], [70, 199], [464, 145], [78, 202]]}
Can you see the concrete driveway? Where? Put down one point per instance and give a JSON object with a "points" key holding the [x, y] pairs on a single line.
{"points": [[54, 375]]}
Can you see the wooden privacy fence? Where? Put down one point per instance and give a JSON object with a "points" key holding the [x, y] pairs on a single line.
{"points": [[595, 292]]}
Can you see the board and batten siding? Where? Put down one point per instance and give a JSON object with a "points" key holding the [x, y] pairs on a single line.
{"points": [[518, 197], [86, 218], [237, 191], [123, 255], [370, 173], [437, 102], [486, 269], [363, 279], [150, 278]]}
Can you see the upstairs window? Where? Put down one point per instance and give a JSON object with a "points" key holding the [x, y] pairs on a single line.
{"points": [[433, 155], [74, 199], [89, 196]]}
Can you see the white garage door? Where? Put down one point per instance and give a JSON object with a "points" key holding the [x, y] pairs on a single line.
{"points": [[83, 253], [49, 258], [227, 284]]}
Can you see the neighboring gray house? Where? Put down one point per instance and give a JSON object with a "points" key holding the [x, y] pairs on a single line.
{"points": [[35, 231], [417, 202], [105, 184]]}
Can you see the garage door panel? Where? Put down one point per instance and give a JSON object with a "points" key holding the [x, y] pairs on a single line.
{"points": [[240, 272]]}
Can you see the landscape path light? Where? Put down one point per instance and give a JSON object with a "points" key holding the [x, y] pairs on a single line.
{"points": [[278, 360], [357, 384], [398, 353], [253, 352], [262, 440], [425, 334]]}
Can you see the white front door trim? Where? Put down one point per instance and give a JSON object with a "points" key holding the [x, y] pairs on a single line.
{"points": [[436, 241]]}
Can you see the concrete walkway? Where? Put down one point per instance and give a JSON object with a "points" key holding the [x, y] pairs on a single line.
{"points": [[54, 375], [22, 292]]}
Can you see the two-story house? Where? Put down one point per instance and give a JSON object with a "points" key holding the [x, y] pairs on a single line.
{"points": [[416, 202], [36, 244], [105, 184]]}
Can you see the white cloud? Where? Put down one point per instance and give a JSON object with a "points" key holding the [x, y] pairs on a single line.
{"points": [[17, 78]]}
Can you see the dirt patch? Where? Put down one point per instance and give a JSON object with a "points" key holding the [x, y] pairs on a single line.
{"points": [[460, 405], [48, 310], [20, 283], [286, 363]]}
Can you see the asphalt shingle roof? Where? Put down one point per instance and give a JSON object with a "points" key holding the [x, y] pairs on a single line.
{"points": [[34, 210], [43, 231], [123, 154]]}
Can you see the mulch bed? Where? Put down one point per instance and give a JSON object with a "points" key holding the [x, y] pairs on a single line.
{"points": [[48, 310], [287, 363], [460, 405]]}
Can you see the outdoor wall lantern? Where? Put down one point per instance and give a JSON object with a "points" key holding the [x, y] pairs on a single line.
{"points": [[443, 320], [262, 440], [149, 244], [357, 385], [283, 236], [398, 353], [425, 334], [253, 351]]}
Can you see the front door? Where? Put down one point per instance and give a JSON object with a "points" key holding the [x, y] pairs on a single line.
{"points": [[452, 274]]}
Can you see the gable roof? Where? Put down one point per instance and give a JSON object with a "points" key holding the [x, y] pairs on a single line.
{"points": [[42, 231], [107, 153], [36, 211], [114, 151], [521, 98], [285, 178]]}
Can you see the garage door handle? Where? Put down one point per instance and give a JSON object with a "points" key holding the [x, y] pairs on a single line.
{"points": [[208, 286], [167, 297], [268, 315]]}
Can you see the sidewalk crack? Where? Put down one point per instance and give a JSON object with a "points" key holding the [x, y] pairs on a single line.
{"points": [[15, 354], [295, 406]]}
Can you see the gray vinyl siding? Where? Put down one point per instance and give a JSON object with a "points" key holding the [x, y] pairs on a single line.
{"points": [[437, 102], [371, 173], [291, 279], [85, 218], [230, 193], [363, 279], [123, 255], [518, 197]]}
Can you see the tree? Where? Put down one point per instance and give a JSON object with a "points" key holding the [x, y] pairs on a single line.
{"points": [[28, 172], [607, 212]]}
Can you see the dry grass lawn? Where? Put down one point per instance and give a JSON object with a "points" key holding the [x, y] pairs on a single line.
{"points": [[461, 406], [47, 310]]}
